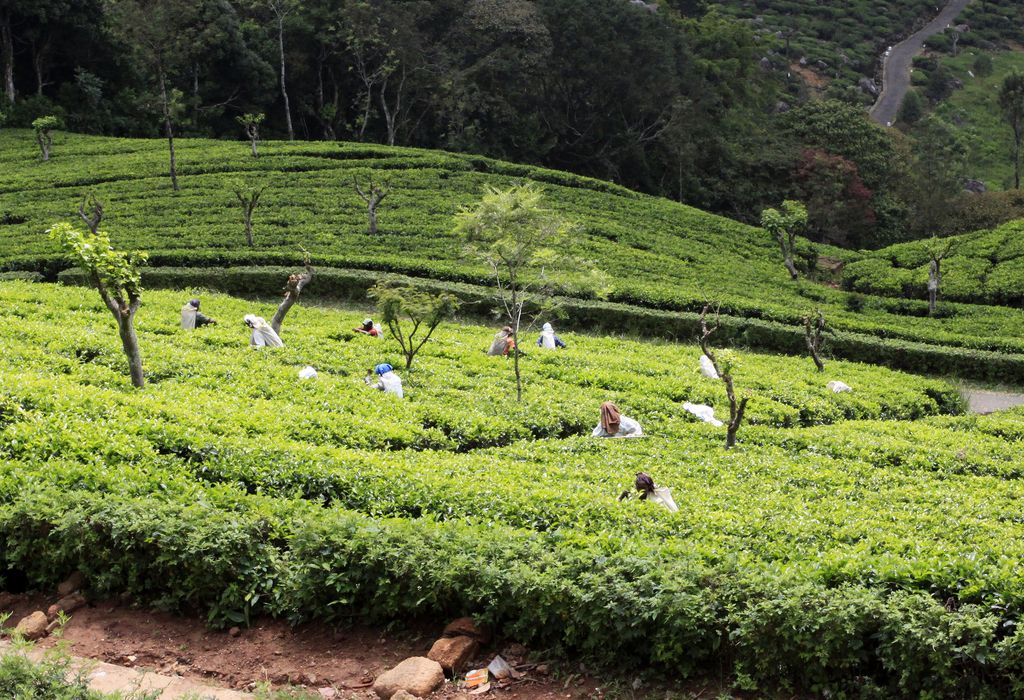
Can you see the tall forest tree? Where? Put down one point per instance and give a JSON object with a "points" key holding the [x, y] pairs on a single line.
{"points": [[159, 33], [1011, 102]]}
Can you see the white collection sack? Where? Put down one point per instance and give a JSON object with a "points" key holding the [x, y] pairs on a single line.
{"points": [[307, 372], [838, 387], [705, 413], [707, 368], [663, 495]]}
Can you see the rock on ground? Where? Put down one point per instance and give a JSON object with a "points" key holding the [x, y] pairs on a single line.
{"points": [[67, 604], [467, 627], [34, 626], [453, 653], [72, 584], [416, 675]]}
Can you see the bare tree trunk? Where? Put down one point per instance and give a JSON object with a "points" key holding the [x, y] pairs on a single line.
{"points": [[39, 64], [252, 140], [736, 412], [284, 89], [130, 342], [292, 289], [247, 213], [371, 213], [7, 57], [1016, 156], [391, 115], [812, 335], [168, 128]]}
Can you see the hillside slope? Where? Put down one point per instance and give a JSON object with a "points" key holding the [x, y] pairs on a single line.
{"points": [[232, 487], [660, 255]]}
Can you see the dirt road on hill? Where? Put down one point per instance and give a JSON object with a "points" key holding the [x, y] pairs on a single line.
{"points": [[896, 65]]}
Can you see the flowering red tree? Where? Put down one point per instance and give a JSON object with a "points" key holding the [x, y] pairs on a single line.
{"points": [[838, 202]]}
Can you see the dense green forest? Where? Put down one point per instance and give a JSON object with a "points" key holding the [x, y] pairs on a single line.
{"points": [[696, 109]]}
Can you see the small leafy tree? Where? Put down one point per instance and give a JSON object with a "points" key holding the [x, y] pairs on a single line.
{"points": [[814, 330], [116, 276], [292, 290], [44, 127], [512, 233], [408, 311], [1011, 101], [724, 362], [373, 196], [249, 197], [786, 225], [251, 124], [3, 118], [937, 252]]}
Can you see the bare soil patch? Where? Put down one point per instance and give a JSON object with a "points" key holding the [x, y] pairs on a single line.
{"points": [[316, 656]]}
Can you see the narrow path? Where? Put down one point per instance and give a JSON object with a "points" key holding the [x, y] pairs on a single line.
{"points": [[896, 66], [983, 402], [109, 678]]}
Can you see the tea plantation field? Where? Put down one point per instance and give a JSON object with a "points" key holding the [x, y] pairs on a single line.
{"points": [[664, 260], [858, 545]]}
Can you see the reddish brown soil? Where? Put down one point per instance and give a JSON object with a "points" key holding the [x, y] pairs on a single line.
{"points": [[315, 656]]}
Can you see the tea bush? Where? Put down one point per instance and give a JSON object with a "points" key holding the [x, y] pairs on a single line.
{"points": [[660, 256], [858, 545]]}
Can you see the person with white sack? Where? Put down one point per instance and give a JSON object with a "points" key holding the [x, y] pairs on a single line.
{"points": [[263, 336], [548, 339], [192, 318], [615, 425], [661, 495]]}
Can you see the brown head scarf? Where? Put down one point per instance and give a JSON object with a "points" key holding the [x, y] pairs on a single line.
{"points": [[610, 422]]}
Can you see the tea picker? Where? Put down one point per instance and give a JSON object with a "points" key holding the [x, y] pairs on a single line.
{"points": [[263, 336], [649, 492], [388, 382], [615, 425], [549, 339], [192, 317]]}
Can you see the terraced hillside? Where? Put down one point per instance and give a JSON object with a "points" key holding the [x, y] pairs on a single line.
{"points": [[863, 543], [665, 260], [983, 267]]}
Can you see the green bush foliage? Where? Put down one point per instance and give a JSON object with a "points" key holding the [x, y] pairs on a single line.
{"points": [[826, 553], [658, 255]]}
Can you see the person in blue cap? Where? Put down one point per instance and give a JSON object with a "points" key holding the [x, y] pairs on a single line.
{"points": [[388, 381]]}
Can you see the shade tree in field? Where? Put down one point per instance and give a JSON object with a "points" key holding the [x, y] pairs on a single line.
{"points": [[412, 315], [724, 362], [517, 239], [43, 127], [937, 252], [784, 225], [251, 124], [116, 277], [91, 212], [814, 330], [1011, 102], [292, 291], [248, 196], [373, 193]]}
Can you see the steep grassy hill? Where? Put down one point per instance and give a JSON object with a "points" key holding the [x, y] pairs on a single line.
{"points": [[663, 258], [835, 549]]}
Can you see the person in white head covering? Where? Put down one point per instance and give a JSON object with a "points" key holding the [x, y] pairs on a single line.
{"points": [[192, 318], [263, 336], [548, 339]]}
